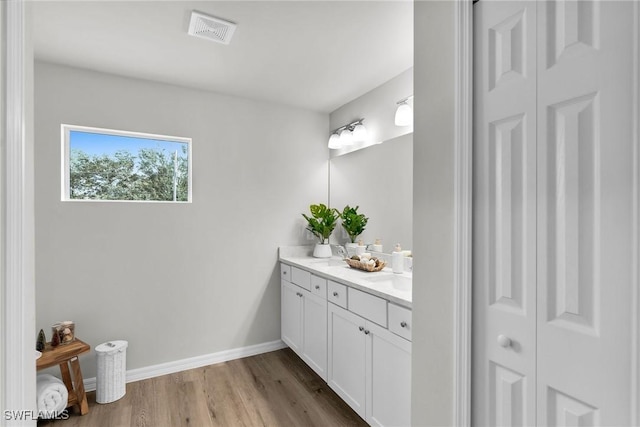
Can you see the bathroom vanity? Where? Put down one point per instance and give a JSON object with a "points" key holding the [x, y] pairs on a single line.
{"points": [[353, 328]]}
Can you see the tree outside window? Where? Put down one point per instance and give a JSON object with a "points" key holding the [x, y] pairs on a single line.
{"points": [[125, 166]]}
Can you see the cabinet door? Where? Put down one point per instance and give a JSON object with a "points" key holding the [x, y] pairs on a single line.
{"points": [[314, 351], [388, 378], [346, 374], [291, 316]]}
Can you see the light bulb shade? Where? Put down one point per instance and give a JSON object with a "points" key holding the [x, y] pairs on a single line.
{"points": [[404, 115], [334, 141], [346, 138], [359, 133]]}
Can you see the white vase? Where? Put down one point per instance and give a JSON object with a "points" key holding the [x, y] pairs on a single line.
{"points": [[322, 250]]}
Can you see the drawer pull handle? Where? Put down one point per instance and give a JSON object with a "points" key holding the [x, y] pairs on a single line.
{"points": [[317, 286], [284, 272], [361, 328], [366, 332], [335, 294], [299, 294], [403, 324]]}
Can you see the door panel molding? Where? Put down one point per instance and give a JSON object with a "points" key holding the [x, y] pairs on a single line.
{"points": [[507, 212], [574, 158], [507, 392], [506, 44], [572, 36], [565, 410]]}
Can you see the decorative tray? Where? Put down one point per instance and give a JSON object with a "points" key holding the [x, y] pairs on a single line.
{"points": [[365, 266]]}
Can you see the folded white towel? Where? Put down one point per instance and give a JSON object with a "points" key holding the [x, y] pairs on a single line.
{"points": [[52, 395]]}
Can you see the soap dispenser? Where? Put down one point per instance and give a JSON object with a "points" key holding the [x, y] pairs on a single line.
{"points": [[397, 259]]}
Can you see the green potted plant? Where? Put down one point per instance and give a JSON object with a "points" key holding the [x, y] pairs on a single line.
{"points": [[321, 223], [353, 223]]}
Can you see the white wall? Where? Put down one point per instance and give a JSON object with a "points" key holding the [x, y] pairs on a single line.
{"points": [[176, 281], [433, 214]]}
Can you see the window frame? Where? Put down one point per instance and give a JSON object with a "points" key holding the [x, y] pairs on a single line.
{"points": [[66, 129]]}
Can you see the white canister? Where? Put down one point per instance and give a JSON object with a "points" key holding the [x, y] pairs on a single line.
{"points": [[397, 260]]}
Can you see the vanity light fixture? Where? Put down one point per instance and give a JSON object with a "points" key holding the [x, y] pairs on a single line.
{"points": [[404, 113], [347, 135]]}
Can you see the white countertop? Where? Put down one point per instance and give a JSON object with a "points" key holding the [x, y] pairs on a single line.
{"points": [[396, 288]]}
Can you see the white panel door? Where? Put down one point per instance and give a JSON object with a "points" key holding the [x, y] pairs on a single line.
{"points": [[504, 276], [314, 349], [585, 216], [347, 356], [555, 239], [291, 316]]}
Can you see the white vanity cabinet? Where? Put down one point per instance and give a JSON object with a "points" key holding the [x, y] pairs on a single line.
{"points": [[304, 318], [369, 368], [359, 342]]}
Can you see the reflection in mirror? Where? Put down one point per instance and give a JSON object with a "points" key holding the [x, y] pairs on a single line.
{"points": [[379, 179]]}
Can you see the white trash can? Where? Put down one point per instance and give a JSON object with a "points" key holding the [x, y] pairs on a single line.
{"points": [[112, 371]]}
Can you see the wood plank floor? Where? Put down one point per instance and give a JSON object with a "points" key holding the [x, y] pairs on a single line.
{"points": [[270, 389]]}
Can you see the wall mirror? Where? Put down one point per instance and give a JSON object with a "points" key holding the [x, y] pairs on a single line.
{"points": [[379, 179]]}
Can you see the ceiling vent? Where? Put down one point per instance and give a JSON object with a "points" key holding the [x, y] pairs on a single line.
{"points": [[210, 28]]}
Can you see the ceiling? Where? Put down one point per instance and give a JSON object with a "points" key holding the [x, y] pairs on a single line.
{"points": [[316, 55]]}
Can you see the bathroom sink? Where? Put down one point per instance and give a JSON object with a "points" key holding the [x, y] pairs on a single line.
{"points": [[328, 262], [401, 283]]}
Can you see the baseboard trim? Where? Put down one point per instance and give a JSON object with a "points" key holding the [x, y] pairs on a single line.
{"points": [[193, 362]]}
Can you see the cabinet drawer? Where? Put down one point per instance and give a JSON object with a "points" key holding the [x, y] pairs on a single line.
{"points": [[319, 286], [285, 272], [400, 321], [337, 293], [301, 278], [368, 306]]}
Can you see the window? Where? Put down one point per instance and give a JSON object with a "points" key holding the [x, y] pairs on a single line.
{"points": [[105, 164]]}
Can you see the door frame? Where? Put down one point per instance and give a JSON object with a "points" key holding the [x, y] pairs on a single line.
{"points": [[463, 210], [17, 300], [635, 312]]}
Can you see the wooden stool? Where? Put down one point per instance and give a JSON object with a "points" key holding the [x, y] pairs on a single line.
{"points": [[66, 356]]}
